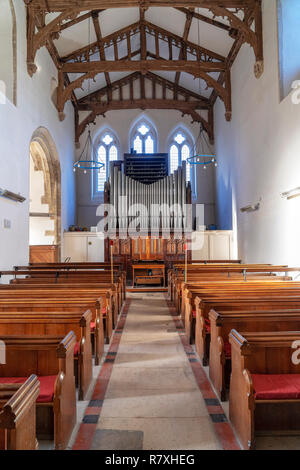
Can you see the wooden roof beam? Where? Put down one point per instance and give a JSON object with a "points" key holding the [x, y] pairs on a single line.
{"points": [[206, 19], [78, 20], [85, 5], [143, 67], [178, 42], [95, 17], [189, 66], [182, 106], [253, 38], [186, 31], [86, 101], [85, 51]]}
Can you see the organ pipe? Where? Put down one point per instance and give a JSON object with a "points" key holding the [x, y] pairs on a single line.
{"points": [[169, 193]]}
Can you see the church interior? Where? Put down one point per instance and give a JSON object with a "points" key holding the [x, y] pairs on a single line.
{"points": [[149, 204]]}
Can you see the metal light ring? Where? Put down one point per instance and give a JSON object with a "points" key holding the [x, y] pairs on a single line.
{"points": [[85, 165], [206, 162]]}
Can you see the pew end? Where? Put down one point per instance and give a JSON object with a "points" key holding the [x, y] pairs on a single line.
{"points": [[18, 415], [261, 400]]}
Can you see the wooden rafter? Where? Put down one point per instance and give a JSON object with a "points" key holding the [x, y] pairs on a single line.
{"points": [[79, 19], [96, 23], [83, 54], [194, 49], [95, 97], [145, 66], [100, 102], [188, 66], [206, 19], [252, 37], [84, 5], [182, 54], [71, 12], [239, 41]]}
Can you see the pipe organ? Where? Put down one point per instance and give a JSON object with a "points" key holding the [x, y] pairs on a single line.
{"points": [[148, 212], [159, 206]]}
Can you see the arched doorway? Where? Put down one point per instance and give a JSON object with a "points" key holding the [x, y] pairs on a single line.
{"points": [[45, 198]]}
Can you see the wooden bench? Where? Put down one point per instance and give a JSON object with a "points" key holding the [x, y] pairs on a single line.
{"points": [[18, 415], [197, 278], [100, 303], [115, 300], [63, 304], [231, 289], [55, 324], [264, 385], [51, 358], [83, 285], [258, 303], [221, 324]]}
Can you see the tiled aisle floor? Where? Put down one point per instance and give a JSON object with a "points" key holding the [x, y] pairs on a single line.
{"points": [[148, 392]]}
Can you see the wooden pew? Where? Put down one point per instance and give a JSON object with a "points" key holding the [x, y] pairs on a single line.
{"points": [[119, 278], [231, 289], [18, 414], [113, 306], [264, 385], [220, 273], [55, 324], [227, 269], [62, 304], [256, 303], [221, 324], [51, 358], [216, 284]]}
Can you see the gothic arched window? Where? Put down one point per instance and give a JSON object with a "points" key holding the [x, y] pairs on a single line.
{"points": [[180, 149], [143, 137], [107, 151]]}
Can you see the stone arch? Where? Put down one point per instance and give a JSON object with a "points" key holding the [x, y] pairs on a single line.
{"points": [[46, 159]]}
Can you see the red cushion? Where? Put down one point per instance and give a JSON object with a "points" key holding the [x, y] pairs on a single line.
{"points": [[47, 384], [207, 325], [104, 311], [194, 313], [76, 349], [276, 387], [227, 349], [93, 326]]}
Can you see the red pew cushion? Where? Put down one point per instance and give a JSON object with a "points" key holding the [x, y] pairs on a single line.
{"points": [[76, 349], [47, 384], [207, 325], [277, 386], [93, 325], [227, 349], [194, 313]]}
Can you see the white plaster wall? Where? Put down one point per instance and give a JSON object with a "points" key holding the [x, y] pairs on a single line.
{"points": [[258, 155], [121, 122], [6, 51], [17, 125]]}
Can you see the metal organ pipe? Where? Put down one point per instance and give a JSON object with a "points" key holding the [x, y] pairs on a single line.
{"points": [[169, 193]]}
